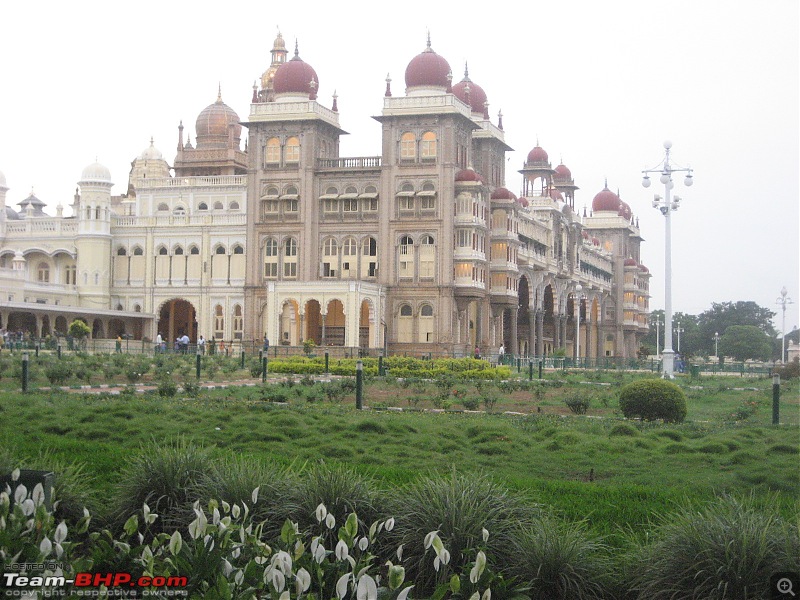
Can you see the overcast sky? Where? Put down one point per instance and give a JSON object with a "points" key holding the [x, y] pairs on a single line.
{"points": [[601, 84]]}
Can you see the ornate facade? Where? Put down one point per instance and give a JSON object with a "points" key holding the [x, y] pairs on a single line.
{"points": [[418, 249]]}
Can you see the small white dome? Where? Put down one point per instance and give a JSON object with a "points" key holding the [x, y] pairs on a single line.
{"points": [[151, 153], [96, 172]]}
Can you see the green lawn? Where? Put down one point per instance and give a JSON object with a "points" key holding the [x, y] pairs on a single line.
{"points": [[598, 467]]}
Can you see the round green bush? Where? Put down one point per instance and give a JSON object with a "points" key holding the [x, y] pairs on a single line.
{"points": [[652, 399]]}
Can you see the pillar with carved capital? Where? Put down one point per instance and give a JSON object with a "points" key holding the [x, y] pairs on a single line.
{"points": [[532, 333]]}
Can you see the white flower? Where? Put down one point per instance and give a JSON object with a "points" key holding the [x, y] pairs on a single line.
{"points": [[239, 577], [341, 585], [436, 564], [227, 567], [302, 581], [475, 596], [321, 512], [236, 511], [45, 547], [367, 588], [445, 555], [389, 523], [278, 580], [400, 553], [330, 521], [255, 494], [429, 539], [285, 595], [487, 595], [15, 475], [404, 594], [363, 543], [215, 516], [20, 493], [38, 494], [60, 533], [485, 534], [477, 570], [341, 551], [175, 543], [28, 507]]}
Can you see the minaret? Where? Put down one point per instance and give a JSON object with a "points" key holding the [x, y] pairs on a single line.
{"points": [[93, 243], [3, 190]]}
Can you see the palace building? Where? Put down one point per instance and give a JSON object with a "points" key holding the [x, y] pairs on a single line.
{"points": [[419, 249]]}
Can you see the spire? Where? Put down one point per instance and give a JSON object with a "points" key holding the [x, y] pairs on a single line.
{"points": [[335, 107], [486, 110], [449, 89], [606, 185], [466, 71], [255, 92], [219, 92], [388, 86], [428, 48], [313, 85], [180, 136], [296, 49], [500, 120]]}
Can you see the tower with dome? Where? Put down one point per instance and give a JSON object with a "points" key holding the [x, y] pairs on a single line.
{"points": [[259, 226]]}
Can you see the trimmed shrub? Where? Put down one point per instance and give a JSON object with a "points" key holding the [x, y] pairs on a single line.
{"points": [[651, 399], [578, 403], [728, 549]]}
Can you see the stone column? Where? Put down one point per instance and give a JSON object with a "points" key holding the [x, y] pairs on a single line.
{"points": [[562, 331], [478, 322], [514, 336], [540, 330], [323, 317], [532, 333]]}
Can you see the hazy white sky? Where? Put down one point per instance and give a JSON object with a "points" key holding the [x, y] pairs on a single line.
{"points": [[601, 84]]}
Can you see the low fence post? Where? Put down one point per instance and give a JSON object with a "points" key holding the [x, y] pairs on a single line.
{"points": [[776, 398], [24, 371], [359, 385]]}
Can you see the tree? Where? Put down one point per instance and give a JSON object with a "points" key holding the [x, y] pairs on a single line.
{"points": [[79, 330], [744, 342], [723, 315]]}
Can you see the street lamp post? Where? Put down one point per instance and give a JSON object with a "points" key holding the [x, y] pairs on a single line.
{"points": [[782, 302], [658, 336], [716, 344], [666, 205], [679, 330]]}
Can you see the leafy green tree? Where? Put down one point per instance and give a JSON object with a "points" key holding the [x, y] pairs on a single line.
{"points": [[79, 330], [744, 342], [723, 315]]}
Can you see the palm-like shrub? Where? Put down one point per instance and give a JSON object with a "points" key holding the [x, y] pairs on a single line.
{"points": [[651, 399], [727, 550], [556, 560], [168, 478], [460, 508]]}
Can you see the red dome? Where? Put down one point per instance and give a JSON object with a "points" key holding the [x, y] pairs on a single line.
{"points": [[644, 269], [555, 194], [523, 201], [562, 173], [502, 193], [211, 127], [477, 97], [295, 77], [467, 175], [629, 262], [537, 155], [606, 200], [428, 69], [595, 241], [624, 210]]}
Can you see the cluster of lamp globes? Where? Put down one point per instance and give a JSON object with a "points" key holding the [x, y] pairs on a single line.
{"points": [[666, 179]]}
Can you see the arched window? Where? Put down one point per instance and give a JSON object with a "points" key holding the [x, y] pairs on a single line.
{"points": [[237, 249], [219, 322], [202, 206], [330, 261], [369, 260], [43, 273], [162, 251], [234, 205], [405, 325], [270, 258], [272, 154], [219, 249], [426, 325], [238, 322], [406, 263], [370, 197], [121, 251], [138, 251], [408, 146], [163, 207], [427, 257], [427, 196], [218, 205], [179, 211], [137, 308], [349, 257], [178, 251], [292, 150], [428, 147], [194, 250], [290, 258]]}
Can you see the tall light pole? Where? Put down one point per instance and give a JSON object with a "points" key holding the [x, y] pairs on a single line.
{"points": [[666, 205], [679, 330], [716, 344], [658, 336], [782, 302]]}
